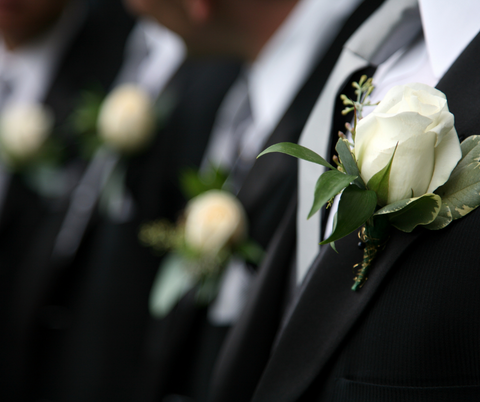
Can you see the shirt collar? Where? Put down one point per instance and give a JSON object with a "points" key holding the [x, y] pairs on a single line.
{"points": [[289, 55], [166, 52], [448, 26]]}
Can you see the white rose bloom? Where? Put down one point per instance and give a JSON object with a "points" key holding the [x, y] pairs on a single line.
{"points": [[416, 117], [126, 120], [24, 127], [213, 220]]}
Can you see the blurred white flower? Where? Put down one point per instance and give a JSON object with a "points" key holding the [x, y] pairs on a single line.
{"points": [[24, 129], [126, 119], [214, 220]]}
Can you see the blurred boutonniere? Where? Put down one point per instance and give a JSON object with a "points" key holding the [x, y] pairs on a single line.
{"points": [[212, 228], [27, 146], [123, 121], [400, 167], [109, 130]]}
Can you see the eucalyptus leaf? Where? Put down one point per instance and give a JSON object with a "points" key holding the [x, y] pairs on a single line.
{"points": [[170, 285], [443, 218], [355, 207], [348, 161], [379, 182], [407, 214], [297, 151], [329, 184], [461, 193], [394, 206]]}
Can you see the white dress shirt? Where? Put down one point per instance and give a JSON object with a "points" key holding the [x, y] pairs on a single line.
{"points": [[273, 81], [448, 27], [153, 55]]}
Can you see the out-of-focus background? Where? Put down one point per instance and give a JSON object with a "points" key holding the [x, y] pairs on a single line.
{"points": [[113, 116]]}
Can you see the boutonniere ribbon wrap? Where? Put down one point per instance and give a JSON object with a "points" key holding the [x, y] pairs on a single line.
{"points": [[401, 166]]}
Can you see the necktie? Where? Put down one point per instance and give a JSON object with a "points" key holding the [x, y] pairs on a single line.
{"points": [[233, 121], [397, 23]]}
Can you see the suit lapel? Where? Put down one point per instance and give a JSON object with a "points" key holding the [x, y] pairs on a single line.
{"points": [[295, 363], [248, 345]]}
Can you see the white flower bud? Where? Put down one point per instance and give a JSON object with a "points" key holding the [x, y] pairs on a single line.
{"points": [[214, 220], [23, 130], [126, 120]]}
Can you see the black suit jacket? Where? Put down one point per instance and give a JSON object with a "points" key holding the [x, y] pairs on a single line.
{"points": [[409, 334]]}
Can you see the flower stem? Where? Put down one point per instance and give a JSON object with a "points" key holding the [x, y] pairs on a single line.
{"points": [[373, 238]]}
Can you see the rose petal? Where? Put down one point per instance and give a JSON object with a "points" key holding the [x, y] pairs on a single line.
{"points": [[412, 167], [447, 155], [379, 133]]}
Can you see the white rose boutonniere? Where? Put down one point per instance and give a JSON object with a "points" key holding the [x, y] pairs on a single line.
{"points": [[24, 130], [212, 229], [414, 122], [126, 119], [213, 221], [403, 168]]}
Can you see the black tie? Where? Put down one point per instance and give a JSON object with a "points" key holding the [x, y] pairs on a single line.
{"points": [[338, 124]]}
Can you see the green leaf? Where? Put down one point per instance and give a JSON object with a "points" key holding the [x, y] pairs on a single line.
{"points": [[297, 151], [355, 207], [170, 285], [442, 220], [348, 161], [84, 118], [334, 225], [379, 181], [194, 182], [329, 184], [461, 193], [407, 214], [250, 251]]}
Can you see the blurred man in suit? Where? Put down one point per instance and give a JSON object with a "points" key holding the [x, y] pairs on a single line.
{"points": [[381, 342], [288, 48], [50, 51]]}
